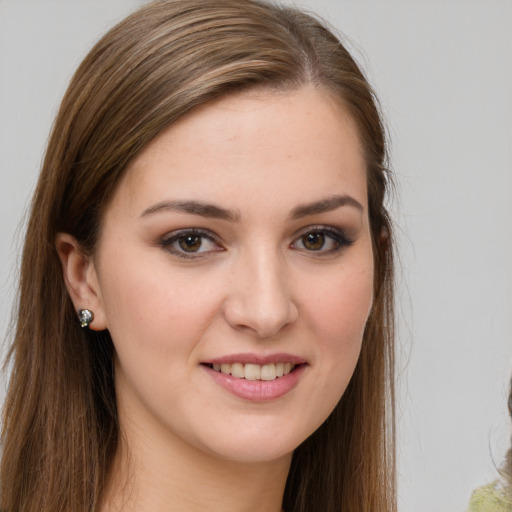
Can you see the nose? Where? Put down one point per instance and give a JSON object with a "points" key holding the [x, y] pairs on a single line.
{"points": [[260, 300]]}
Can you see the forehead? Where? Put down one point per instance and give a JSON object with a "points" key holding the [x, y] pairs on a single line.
{"points": [[281, 146]]}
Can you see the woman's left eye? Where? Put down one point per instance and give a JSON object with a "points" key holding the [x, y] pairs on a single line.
{"points": [[321, 240], [190, 243]]}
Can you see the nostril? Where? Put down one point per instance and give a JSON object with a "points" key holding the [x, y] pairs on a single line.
{"points": [[262, 306]]}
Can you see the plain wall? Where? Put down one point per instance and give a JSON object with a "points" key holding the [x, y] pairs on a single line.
{"points": [[443, 72]]}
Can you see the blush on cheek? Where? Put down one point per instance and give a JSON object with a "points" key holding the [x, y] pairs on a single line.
{"points": [[345, 312], [343, 329]]}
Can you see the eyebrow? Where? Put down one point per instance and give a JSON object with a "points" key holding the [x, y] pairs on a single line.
{"points": [[216, 212], [325, 205], [195, 208]]}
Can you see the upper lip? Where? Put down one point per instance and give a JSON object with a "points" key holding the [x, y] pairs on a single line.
{"points": [[256, 359]]}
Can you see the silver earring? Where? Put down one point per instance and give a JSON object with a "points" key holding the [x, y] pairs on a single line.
{"points": [[85, 316]]}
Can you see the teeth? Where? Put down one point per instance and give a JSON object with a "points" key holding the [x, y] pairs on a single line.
{"points": [[268, 372], [255, 371], [252, 371], [237, 370]]}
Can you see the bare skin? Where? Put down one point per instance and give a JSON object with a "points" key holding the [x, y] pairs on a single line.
{"points": [[239, 235]]}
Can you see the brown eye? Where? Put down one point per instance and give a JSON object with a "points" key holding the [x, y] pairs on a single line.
{"points": [[321, 241], [313, 241], [190, 243]]}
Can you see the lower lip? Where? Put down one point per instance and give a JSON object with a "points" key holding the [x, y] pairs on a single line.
{"points": [[257, 390]]}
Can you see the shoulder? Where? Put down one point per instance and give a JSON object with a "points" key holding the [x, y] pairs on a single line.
{"points": [[490, 498]]}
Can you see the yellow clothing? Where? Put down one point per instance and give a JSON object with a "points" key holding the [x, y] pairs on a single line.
{"points": [[490, 498]]}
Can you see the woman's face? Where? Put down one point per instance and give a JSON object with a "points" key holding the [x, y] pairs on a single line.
{"points": [[238, 240]]}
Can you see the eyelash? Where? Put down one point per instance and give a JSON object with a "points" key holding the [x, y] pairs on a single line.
{"points": [[337, 236], [168, 241]]}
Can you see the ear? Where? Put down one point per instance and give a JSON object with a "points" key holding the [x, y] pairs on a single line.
{"points": [[81, 279]]}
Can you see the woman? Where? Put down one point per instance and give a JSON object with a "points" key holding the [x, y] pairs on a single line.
{"points": [[205, 315]]}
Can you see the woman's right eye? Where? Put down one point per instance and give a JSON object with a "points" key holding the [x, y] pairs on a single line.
{"points": [[190, 243]]}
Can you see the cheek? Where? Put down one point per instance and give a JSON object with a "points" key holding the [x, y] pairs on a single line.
{"points": [[342, 306], [148, 306], [339, 311]]}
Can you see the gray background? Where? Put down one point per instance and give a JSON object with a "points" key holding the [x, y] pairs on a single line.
{"points": [[443, 71]]}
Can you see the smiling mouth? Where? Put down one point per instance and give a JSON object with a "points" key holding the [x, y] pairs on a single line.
{"points": [[254, 371]]}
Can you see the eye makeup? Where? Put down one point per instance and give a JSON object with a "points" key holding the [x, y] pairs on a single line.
{"points": [[322, 240], [193, 243]]}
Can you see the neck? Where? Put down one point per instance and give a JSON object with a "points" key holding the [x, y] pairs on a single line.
{"points": [[171, 476]]}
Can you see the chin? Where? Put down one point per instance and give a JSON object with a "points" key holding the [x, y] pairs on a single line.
{"points": [[253, 452], [257, 444]]}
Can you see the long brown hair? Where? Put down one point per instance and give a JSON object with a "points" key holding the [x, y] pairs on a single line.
{"points": [[60, 426]]}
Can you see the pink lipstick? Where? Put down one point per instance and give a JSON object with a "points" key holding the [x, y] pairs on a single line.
{"points": [[255, 377]]}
